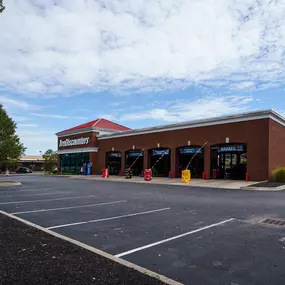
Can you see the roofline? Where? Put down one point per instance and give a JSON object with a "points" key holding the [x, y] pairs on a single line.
{"points": [[91, 128], [257, 115], [30, 160], [96, 122], [83, 131]]}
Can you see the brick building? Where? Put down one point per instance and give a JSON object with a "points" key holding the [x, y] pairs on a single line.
{"points": [[222, 147]]}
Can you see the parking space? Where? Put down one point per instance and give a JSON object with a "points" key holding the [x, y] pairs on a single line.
{"points": [[236, 253], [195, 236]]}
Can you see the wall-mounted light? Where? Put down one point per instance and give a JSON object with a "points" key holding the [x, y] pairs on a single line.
{"points": [[189, 142], [113, 148], [158, 145]]}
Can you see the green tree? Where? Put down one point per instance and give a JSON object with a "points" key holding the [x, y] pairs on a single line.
{"points": [[2, 7], [50, 160], [11, 148]]}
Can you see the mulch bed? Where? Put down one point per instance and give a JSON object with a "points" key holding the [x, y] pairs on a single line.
{"points": [[269, 184], [30, 256]]}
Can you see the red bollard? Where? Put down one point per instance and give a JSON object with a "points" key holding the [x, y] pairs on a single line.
{"points": [[207, 175], [246, 177], [171, 174], [203, 175], [105, 173]]}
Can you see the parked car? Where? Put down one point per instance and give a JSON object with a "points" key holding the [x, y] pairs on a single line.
{"points": [[24, 170]]}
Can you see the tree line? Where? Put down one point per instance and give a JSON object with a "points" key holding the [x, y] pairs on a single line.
{"points": [[2, 7], [11, 148]]}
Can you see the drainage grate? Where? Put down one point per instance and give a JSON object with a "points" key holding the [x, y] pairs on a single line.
{"points": [[280, 223]]}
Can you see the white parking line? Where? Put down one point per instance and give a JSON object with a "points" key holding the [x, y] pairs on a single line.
{"points": [[172, 238], [47, 200], [67, 208], [29, 190], [41, 194], [160, 278], [108, 219]]}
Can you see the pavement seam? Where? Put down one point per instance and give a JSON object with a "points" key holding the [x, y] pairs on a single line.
{"points": [[123, 262]]}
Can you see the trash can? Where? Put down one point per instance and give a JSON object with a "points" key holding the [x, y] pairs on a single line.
{"points": [[147, 174], [186, 176]]}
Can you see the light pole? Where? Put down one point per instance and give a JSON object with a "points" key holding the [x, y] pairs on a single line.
{"points": [[42, 157]]}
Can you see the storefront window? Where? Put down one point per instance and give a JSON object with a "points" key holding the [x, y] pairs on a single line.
{"points": [[229, 161], [72, 162]]}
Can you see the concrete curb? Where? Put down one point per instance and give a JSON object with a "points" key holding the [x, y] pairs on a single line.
{"points": [[10, 184], [272, 189], [169, 184], [138, 268], [251, 188]]}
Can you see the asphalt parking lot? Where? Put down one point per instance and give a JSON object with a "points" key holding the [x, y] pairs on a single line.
{"points": [[192, 235]]}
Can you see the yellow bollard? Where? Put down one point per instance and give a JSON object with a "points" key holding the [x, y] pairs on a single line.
{"points": [[186, 176]]}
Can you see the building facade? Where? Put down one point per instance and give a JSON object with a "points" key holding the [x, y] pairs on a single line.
{"points": [[224, 147], [34, 162]]}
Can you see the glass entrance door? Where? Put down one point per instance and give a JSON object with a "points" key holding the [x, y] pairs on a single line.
{"points": [[229, 161]]}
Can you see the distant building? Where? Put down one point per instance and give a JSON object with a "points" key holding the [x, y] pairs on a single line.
{"points": [[34, 162]]}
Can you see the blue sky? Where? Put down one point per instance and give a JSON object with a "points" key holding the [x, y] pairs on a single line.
{"points": [[138, 63]]}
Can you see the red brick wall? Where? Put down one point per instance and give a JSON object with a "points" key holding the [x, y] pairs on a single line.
{"points": [[254, 133], [276, 146]]}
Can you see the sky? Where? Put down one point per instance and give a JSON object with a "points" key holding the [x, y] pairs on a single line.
{"points": [[139, 63]]}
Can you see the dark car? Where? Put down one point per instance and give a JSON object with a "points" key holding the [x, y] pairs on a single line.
{"points": [[24, 170]]}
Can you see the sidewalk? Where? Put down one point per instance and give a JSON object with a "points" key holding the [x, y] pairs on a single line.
{"points": [[226, 184]]}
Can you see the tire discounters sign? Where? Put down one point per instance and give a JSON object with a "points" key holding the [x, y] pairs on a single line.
{"points": [[74, 142]]}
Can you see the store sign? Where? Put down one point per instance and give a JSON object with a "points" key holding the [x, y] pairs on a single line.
{"points": [[190, 150], [73, 142], [115, 154], [136, 154], [160, 152], [231, 148]]}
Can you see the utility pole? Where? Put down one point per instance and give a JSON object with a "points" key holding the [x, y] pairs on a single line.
{"points": [[43, 162]]}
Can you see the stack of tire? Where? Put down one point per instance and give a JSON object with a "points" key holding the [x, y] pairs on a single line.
{"points": [[128, 173]]}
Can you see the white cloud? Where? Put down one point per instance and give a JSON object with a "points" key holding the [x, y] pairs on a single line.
{"points": [[178, 111], [28, 125], [68, 47], [109, 117], [37, 140], [17, 104], [115, 104], [58, 116], [243, 85], [21, 118]]}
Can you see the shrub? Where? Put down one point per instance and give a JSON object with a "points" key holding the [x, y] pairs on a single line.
{"points": [[279, 174]]}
